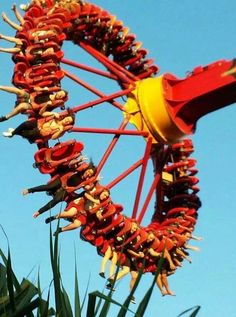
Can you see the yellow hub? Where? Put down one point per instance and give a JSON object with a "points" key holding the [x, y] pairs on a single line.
{"points": [[147, 108]]}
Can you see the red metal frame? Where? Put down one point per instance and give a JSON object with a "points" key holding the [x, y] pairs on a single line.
{"points": [[126, 77], [184, 99], [206, 89]]}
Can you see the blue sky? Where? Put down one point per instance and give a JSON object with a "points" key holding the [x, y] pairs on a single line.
{"points": [[179, 36]]}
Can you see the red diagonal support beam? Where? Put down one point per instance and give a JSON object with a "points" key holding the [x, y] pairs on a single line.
{"points": [[124, 75], [90, 88], [109, 98], [112, 145], [154, 184], [141, 178], [88, 68], [125, 174], [109, 131]]}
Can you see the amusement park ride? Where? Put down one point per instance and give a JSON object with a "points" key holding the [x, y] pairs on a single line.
{"points": [[164, 110]]}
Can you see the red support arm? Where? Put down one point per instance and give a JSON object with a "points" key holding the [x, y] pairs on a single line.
{"points": [[206, 89]]}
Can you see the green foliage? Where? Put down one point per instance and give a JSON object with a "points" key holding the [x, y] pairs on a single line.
{"points": [[19, 299], [24, 299], [194, 310]]}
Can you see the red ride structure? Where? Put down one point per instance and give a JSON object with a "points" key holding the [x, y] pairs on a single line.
{"points": [[164, 110]]}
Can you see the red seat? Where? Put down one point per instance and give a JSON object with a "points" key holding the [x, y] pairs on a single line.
{"points": [[141, 65], [114, 223], [37, 104], [181, 239], [165, 243], [47, 21], [29, 23], [104, 16], [38, 70], [38, 52], [111, 210], [18, 80], [24, 36], [177, 210], [21, 68], [34, 11], [63, 16], [32, 50], [138, 56], [19, 57], [54, 57], [84, 10], [75, 13], [58, 37], [48, 159], [149, 72], [46, 80]]}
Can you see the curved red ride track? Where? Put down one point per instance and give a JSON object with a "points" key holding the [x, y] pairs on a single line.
{"points": [[99, 34]]}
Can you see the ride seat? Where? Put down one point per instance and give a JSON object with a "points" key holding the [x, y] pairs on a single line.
{"points": [[48, 159]]}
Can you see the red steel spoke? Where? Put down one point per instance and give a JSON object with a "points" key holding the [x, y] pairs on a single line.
{"points": [[88, 68], [116, 69], [153, 186], [108, 98], [112, 145], [109, 131], [125, 174], [142, 176], [90, 88]]}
